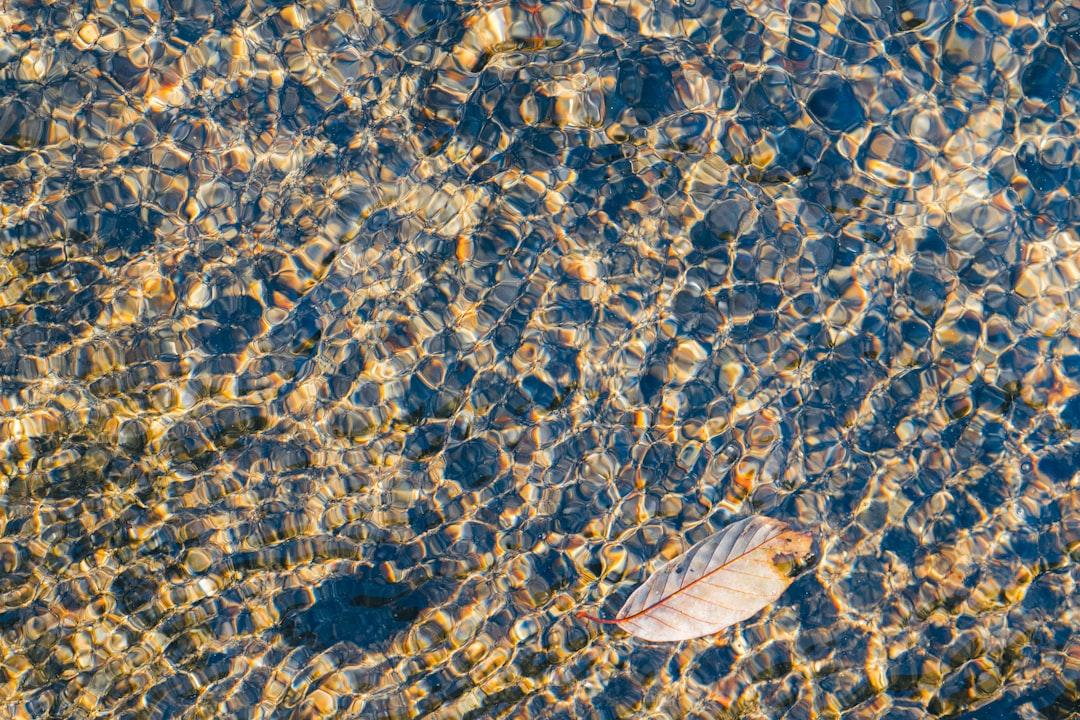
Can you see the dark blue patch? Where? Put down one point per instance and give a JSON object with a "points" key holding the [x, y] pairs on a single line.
{"points": [[364, 609], [473, 463], [1047, 76], [834, 105], [713, 664], [1058, 467]]}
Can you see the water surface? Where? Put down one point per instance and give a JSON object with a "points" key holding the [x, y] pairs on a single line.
{"points": [[347, 350]]}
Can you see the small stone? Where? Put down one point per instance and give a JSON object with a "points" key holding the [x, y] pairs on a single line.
{"points": [[86, 36]]}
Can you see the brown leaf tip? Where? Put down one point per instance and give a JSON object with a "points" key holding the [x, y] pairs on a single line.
{"points": [[793, 554]]}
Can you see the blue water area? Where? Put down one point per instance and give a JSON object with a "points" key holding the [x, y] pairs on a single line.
{"points": [[349, 350]]}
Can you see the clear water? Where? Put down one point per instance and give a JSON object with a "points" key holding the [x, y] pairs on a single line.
{"points": [[347, 351]]}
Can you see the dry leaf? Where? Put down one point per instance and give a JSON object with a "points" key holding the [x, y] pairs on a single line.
{"points": [[722, 580]]}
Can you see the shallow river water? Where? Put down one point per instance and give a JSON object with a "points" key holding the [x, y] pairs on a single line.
{"points": [[347, 350]]}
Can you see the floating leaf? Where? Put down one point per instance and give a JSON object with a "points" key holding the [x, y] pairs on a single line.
{"points": [[722, 580]]}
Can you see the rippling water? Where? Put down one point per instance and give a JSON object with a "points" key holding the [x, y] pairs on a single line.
{"points": [[347, 350]]}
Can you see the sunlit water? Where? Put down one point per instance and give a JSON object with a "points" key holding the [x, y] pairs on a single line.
{"points": [[347, 351]]}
